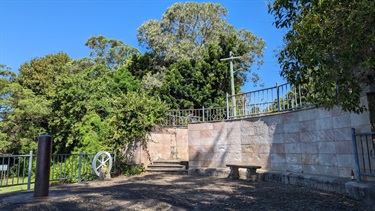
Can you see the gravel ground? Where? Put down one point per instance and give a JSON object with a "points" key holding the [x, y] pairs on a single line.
{"points": [[180, 192]]}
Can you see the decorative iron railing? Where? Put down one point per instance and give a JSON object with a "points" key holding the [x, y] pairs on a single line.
{"points": [[364, 154]]}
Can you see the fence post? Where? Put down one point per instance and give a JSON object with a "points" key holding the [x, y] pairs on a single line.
{"points": [[203, 112], [30, 170], [278, 97], [79, 165], [114, 162], [227, 105], [356, 159]]}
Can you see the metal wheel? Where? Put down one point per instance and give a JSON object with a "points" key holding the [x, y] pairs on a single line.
{"points": [[101, 159]]}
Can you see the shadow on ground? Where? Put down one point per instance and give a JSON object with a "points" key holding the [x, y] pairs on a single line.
{"points": [[180, 192]]}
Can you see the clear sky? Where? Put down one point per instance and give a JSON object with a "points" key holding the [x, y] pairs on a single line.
{"points": [[35, 28]]}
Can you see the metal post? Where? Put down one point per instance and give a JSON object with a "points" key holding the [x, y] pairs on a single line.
{"points": [[114, 161], [203, 113], [232, 83], [227, 105], [232, 79], [278, 97], [79, 165], [356, 159], [30, 170], [43, 164]]}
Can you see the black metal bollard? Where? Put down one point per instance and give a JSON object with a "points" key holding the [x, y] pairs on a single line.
{"points": [[43, 163]]}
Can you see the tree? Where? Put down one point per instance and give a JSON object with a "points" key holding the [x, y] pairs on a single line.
{"points": [[330, 46], [22, 115], [96, 109], [184, 30], [133, 116], [114, 53], [186, 47], [40, 74], [80, 96], [187, 29], [190, 83]]}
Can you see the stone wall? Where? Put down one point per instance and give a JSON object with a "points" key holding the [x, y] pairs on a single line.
{"points": [[312, 141], [167, 144]]}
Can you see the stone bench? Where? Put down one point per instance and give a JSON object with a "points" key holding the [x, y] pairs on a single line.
{"points": [[251, 173]]}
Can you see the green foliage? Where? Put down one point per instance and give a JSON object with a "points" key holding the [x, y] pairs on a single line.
{"points": [[190, 84], [113, 98], [185, 48], [90, 131], [184, 30], [330, 47], [98, 109], [111, 52], [22, 115], [128, 168], [140, 65], [132, 118], [125, 81], [40, 74], [65, 168]]}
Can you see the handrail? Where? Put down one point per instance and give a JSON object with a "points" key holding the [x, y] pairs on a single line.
{"points": [[279, 98]]}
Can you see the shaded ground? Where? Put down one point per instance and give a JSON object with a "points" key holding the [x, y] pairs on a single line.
{"points": [[180, 192]]}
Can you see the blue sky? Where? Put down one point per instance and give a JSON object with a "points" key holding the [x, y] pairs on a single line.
{"points": [[35, 28]]}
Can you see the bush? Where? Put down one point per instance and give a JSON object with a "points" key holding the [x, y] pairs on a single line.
{"points": [[128, 168]]}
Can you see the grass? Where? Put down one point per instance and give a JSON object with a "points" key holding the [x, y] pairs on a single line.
{"points": [[10, 184], [15, 188]]}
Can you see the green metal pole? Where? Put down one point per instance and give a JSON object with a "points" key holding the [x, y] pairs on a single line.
{"points": [[30, 170], [79, 165], [232, 83]]}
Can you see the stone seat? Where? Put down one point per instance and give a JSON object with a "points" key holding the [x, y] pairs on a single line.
{"points": [[251, 171]]}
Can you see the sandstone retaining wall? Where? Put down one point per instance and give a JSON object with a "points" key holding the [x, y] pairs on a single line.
{"points": [[312, 141], [167, 144]]}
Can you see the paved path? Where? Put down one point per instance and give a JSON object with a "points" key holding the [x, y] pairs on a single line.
{"points": [[177, 192]]}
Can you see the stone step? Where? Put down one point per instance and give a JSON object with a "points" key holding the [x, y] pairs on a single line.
{"points": [[168, 170], [167, 161], [165, 165], [168, 166]]}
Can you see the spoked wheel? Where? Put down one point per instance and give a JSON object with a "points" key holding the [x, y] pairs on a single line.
{"points": [[101, 159]]}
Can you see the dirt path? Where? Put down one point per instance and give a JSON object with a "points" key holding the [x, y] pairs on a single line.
{"points": [[177, 192]]}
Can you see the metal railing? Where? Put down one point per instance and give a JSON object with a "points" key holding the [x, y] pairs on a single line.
{"points": [[20, 169], [274, 99], [181, 118], [279, 98], [364, 154], [16, 169]]}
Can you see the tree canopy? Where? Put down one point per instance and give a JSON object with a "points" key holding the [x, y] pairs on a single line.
{"points": [[114, 53], [185, 48], [40, 74], [329, 46], [22, 113]]}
